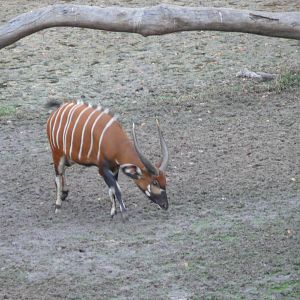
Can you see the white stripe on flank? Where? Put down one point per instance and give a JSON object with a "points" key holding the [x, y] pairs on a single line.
{"points": [[83, 131], [61, 118], [67, 125], [102, 135], [74, 128], [92, 131], [50, 130], [53, 127]]}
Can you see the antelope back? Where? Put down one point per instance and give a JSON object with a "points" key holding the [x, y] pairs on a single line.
{"points": [[78, 130]]}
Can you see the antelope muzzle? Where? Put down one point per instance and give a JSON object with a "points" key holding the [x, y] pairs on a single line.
{"points": [[160, 199]]}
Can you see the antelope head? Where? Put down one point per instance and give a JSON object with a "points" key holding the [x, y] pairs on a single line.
{"points": [[151, 179]]}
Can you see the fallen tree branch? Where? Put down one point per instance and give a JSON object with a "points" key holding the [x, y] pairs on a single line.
{"points": [[256, 75], [156, 20]]}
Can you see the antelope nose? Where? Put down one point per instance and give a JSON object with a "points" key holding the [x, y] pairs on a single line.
{"points": [[164, 203], [165, 206]]}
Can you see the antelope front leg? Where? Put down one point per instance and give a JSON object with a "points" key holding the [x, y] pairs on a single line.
{"points": [[114, 191], [112, 197]]}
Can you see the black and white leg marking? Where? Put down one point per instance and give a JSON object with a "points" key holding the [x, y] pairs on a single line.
{"points": [[114, 190], [112, 197], [65, 190], [59, 183]]}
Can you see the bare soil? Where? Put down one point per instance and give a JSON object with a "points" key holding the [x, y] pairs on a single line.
{"points": [[233, 227]]}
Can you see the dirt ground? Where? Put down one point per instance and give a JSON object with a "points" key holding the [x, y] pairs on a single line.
{"points": [[232, 230]]}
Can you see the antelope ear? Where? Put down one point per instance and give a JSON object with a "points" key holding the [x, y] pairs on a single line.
{"points": [[131, 171]]}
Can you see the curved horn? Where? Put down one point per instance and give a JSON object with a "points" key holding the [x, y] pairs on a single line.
{"points": [[151, 168], [164, 149]]}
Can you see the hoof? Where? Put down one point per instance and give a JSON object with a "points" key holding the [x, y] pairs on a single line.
{"points": [[57, 208], [125, 216], [64, 195], [113, 213]]}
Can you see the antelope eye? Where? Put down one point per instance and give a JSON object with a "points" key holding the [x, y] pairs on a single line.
{"points": [[155, 182]]}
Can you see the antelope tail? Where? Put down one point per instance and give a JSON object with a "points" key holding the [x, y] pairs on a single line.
{"points": [[53, 103]]}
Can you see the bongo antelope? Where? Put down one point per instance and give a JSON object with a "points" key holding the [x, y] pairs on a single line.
{"points": [[89, 135]]}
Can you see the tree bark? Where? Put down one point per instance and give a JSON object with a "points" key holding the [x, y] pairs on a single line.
{"points": [[156, 20]]}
